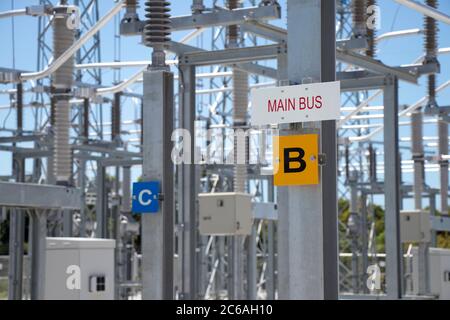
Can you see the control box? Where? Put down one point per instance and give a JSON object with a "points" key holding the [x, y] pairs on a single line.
{"points": [[225, 213], [439, 270], [415, 226], [79, 269]]}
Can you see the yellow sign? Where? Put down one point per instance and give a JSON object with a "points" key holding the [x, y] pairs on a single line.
{"points": [[296, 160]]}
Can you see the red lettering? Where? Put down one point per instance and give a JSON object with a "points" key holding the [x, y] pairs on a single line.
{"points": [[291, 104], [280, 105], [271, 105], [302, 103], [310, 103], [319, 102]]}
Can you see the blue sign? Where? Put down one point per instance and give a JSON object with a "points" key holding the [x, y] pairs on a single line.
{"points": [[145, 197]]}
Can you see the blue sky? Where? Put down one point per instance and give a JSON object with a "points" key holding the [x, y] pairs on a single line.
{"points": [[392, 52]]}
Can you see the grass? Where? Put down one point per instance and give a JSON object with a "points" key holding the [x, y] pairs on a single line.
{"points": [[3, 289]]}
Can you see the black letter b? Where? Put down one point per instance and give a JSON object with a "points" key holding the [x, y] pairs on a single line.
{"points": [[299, 159]]}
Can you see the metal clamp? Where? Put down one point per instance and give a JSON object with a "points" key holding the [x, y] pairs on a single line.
{"points": [[418, 157], [322, 159]]}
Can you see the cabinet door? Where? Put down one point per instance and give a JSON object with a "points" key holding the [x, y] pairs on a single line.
{"points": [[62, 274], [97, 263]]}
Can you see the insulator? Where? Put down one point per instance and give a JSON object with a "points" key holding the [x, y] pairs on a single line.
{"points": [[62, 81], [240, 95], [347, 163], [131, 11], [268, 3], [63, 39], [371, 33], [131, 4], [86, 120], [431, 30], [241, 161], [240, 104], [197, 6], [52, 111], [62, 150], [358, 15], [157, 27], [431, 85], [19, 106], [141, 122], [233, 30], [372, 164], [116, 117], [417, 133]]}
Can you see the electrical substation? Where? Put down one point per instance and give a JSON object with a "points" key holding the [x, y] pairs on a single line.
{"points": [[224, 149]]}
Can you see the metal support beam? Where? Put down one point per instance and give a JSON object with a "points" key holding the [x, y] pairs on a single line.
{"points": [[17, 216], [120, 162], [84, 128], [16, 240], [224, 17], [82, 186], [157, 229], [233, 55], [443, 164], [20, 138], [38, 249], [426, 10], [360, 80], [433, 242], [265, 30], [110, 151], [218, 17], [392, 191], [116, 117], [27, 195], [251, 264], [270, 273], [126, 189], [307, 245], [67, 223], [329, 147], [419, 182], [368, 63], [277, 34], [364, 240], [182, 49], [118, 251], [354, 231], [101, 205], [187, 186]]}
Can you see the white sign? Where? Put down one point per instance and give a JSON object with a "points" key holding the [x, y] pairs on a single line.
{"points": [[300, 103]]}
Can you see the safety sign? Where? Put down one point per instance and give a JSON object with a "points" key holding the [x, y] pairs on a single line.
{"points": [[296, 160], [145, 197], [299, 103]]}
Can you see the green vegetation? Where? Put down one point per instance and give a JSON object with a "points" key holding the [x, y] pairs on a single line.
{"points": [[4, 237], [443, 238], [344, 209], [3, 289]]}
